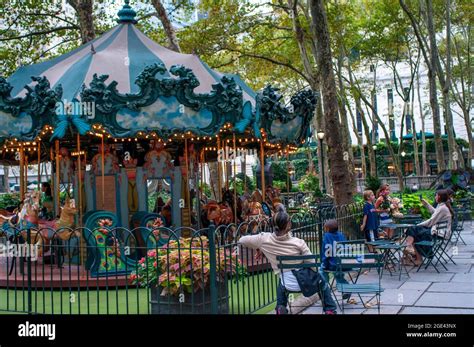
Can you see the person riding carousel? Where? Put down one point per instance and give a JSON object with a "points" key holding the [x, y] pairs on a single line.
{"points": [[47, 208]]}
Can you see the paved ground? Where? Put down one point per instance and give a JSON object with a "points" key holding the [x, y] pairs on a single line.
{"points": [[426, 291]]}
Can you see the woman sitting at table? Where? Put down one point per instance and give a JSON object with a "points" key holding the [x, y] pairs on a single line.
{"points": [[426, 231]]}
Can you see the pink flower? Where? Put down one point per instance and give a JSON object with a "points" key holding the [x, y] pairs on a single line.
{"points": [[155, 264], [152, 253], [141, 261]]}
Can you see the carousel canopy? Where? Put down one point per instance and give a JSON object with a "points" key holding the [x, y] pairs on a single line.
{"points": [[128, 84]]}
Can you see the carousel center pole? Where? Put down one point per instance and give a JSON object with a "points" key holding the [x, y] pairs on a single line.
{"points": [[188, 193], [262, 169], [219, 192], [235, 181], [103, 170], [25, 175], [56, 145], [39, 166]]}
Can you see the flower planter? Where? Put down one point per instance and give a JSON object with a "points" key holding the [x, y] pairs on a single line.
{"points": [[199, 303]]}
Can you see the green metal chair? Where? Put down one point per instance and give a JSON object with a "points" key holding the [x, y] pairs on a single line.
{"points": [[283, 264], [362, 261], [433, 252], [458, 225], [349, 246]]}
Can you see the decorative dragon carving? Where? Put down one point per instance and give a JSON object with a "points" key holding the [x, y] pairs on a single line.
{"points": [[224, 102]]}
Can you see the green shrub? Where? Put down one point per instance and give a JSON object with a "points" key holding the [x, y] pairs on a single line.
{"points": [[281, 185], [310, 183], [358, 198], [8, 200], [206, 189], [412, 203], [372, 183]]}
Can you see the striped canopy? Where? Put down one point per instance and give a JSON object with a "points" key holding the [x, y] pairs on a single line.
{"points": [[122, 53], [131, 84]]}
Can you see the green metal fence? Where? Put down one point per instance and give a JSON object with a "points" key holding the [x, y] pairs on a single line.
{"points": [[149, 271]]}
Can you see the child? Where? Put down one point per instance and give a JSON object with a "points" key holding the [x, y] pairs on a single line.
{"points": [[370, 221], [328, 259], [382, 205]]}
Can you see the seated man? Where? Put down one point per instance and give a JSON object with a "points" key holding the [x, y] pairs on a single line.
{"points": [[282, 243]]}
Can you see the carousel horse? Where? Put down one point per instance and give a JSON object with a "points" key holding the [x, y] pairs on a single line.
{"points": [[253, 209], [219, 214], [24, 219], [64, 224]]}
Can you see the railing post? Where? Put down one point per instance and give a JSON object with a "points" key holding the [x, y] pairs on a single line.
{"points": [[212, 265], [28, 268], [320, 232]]}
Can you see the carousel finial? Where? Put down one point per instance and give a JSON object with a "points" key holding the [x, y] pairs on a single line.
{"points": [[126, 14]]}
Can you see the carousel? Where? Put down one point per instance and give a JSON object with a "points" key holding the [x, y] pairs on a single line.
{"points": [[129, 131]]}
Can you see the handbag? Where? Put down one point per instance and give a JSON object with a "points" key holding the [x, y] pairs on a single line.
{"points": [[308, 280]]}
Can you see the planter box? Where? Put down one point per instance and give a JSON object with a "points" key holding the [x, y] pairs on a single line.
{"points": [[199, 303]]}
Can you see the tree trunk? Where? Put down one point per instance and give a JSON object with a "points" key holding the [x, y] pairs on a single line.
{"points": [[445, 80], [360, 143], [339, 171], [84, 10], [467, 121], [415, 138], [6, 173], [213, 180], [345, 124], [370, 149], [321, 150], [424, 160], [432, 85], [167, 26]]}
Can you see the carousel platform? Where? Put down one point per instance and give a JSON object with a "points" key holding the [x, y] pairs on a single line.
{"points": [[49, 276]]}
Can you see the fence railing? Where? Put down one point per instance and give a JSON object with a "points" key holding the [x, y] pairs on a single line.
{"points": [[420, 182], [146, 271]]}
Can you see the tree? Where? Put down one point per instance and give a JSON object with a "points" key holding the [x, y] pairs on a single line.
{"points": [[167, 26], [83, 10], [339, 170], [430, 57]]}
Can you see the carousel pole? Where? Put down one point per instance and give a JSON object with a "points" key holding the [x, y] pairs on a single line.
{"points": [[202, 174], [219, 192], [188, 193], [262, 169], [56, 145], [288, 172], [245, 171], [103, 170], [25, 175], [39, 166], [79, 176], [22, 173], [235, 181]]}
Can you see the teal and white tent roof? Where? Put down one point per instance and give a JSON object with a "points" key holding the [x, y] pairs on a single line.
{"points": [[122, 53], [132, 85]]}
